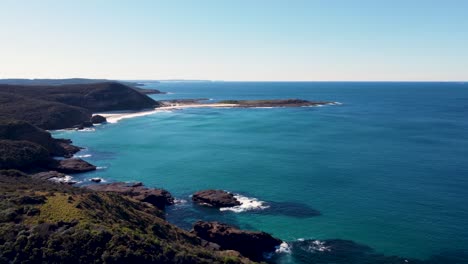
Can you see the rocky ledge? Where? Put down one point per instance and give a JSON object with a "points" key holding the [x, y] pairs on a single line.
{"points": [[215, 198], [250, 244], [71, 166], [47, 175], [157, 197]]}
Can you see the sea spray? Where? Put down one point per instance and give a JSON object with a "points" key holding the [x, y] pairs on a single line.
{"points": [[247, 204]]}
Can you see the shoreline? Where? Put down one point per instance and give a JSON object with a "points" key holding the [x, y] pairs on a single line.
{"points": [[114, 117]]}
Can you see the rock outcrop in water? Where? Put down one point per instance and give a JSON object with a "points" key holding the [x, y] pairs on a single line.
{"points": [[215, 198], [249, 243], [98, 119], [157, 197]]}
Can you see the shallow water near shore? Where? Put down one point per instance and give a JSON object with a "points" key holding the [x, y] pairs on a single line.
{"points": [[386, 168]]}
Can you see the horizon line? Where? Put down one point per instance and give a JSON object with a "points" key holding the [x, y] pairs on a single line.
{"points": [[214, 80]]}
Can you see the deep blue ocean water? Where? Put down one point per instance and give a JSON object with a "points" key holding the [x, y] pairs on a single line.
{"points": [[388, 168]]}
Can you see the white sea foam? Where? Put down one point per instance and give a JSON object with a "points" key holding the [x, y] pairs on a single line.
{"points": [[318, 245], [180, 201], [283, 248], [301, 239], [66, 179], [116, 117], [87, 129], [82, 156], [101, 168], [247, 204]]}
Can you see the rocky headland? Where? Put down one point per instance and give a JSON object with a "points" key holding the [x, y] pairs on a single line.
{"points": [[66, 106]]}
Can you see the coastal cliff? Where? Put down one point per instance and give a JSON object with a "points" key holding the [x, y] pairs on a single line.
{"points": [[65, 106]]}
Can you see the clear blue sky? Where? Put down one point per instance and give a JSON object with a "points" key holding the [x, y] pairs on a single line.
{"points": [[235, 40]]}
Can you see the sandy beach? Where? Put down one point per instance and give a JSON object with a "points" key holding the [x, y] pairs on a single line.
{"points": [[114, 117]]}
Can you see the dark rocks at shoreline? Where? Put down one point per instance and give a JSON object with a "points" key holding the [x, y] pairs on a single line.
{"points": [[66, 149], [47, 175], [85, 124], [215, 198], [160, 198], [54, 176], [73, 165], [98, 119], [250, 244], [273, 103]]}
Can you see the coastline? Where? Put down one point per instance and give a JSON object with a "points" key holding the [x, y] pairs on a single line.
{"points": [[114, 117]]}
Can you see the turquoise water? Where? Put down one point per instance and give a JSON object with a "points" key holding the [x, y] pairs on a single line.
{"points": [[387, 168]]}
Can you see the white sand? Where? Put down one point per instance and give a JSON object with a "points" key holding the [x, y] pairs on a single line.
{"points": [[114, 117]]}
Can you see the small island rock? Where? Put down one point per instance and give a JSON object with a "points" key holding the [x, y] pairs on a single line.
{"points": [[215, 198]]}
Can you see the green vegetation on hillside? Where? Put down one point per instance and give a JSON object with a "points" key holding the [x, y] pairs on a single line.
{"points": [[64, 106], [44, 222]]}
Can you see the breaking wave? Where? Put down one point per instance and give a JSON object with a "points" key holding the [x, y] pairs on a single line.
{"points": [[247, 204]]}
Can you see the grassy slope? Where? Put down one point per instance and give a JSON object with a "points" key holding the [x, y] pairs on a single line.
{"points": [[53, 223]]}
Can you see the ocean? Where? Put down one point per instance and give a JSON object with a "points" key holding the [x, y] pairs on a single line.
{"points": [[385, 169]]}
